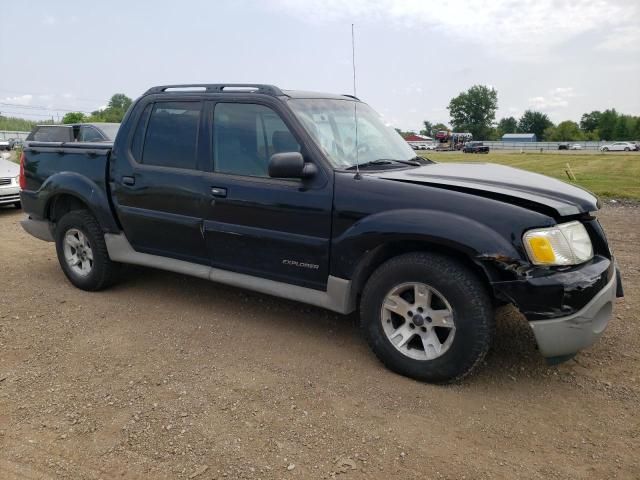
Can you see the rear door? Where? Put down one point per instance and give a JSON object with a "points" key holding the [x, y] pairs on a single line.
{"points": [[273, 228], [158, 187]]}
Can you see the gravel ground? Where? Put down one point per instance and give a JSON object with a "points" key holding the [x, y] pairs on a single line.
{"points": [[165, 376]]}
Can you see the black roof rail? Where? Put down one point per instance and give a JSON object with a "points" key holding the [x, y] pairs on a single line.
{"points": [[220, 88], [350, 96]]}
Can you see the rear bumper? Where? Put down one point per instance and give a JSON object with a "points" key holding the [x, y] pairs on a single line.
{"points": [[565, 336], [40, 229]]}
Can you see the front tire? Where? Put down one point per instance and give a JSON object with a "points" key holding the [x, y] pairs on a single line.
{"points": [[18, 205], [82, 252], [605, 149], [427, 316]]}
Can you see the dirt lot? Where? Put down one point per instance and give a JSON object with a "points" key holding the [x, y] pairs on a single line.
{"points": [[166, 376]]}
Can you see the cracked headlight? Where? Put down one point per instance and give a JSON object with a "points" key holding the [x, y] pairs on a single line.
{"points": [[564, 244]]}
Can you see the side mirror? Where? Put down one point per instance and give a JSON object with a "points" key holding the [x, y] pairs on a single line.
{"points": [[290, 165]]}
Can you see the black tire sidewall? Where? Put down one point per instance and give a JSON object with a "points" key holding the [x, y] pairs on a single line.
{"points": [[81, 220], [473, 317]]}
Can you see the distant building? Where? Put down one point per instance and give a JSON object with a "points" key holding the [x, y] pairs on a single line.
{"points": [[519, 137], [418, 139]]}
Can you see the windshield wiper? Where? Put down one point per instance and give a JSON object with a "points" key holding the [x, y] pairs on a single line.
{"points": [[384, 161]]}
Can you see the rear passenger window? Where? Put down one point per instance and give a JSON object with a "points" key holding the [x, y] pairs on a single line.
{"points": [[138, 135], [245, 137], [172, 134], [53, 134]]}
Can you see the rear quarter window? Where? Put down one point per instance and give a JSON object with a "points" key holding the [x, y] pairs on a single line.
{"points": [[52, 134]]}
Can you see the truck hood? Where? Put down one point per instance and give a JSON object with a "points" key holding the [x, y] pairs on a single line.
{"points": [[502, 183], [8, 168]]}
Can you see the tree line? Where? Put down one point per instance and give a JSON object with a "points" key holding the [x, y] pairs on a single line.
{"points": [[114, 112], [474, 111]]}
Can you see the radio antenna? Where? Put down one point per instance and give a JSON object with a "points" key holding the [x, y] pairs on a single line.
{"points": [[355, 102]]}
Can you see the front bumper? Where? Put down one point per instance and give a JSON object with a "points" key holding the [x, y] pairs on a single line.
{"points": [[9, 195], [565, 336]]}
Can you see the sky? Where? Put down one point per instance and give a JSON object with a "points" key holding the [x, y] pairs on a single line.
{"points": [[560, 57]]}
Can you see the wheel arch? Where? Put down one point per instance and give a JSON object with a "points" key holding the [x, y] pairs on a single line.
{"points": [[389, 250], [359, 251], [69, 191]]}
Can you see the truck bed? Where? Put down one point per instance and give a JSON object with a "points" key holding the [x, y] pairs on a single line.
{"points": [[86, 164]]}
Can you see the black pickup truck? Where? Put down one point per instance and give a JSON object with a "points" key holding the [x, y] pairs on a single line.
{"points": [[278, 191]]}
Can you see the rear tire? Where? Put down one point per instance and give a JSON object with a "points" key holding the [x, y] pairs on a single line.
{"points": [[82, 252], [447, 299]]}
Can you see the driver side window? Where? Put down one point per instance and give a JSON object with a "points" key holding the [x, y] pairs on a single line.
{"points": [[245, 136]]}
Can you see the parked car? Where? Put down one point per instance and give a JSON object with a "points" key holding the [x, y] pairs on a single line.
{"points": [[264, 189], [6, 144], [475, 147], [618, 147], [9, 185], [563, 146], [77, 132], [431, 146], [575, 146]]}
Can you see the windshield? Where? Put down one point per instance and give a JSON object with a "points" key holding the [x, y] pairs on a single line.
{"points": [[332, 125]]}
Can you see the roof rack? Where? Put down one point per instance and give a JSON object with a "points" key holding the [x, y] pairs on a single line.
{"points": [[219, 88]]}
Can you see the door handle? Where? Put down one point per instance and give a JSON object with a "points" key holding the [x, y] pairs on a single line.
{"points": [[129, 181], [218, 192]]}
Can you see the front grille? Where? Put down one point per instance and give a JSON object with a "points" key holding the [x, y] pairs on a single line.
{"points": [[5, 181]]}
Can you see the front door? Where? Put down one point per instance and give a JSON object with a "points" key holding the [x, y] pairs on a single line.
{"points": [[273, 228], [160, 192]]}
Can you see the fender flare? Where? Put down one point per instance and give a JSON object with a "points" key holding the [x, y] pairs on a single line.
{"points": [[356, 247], [85, 190]]}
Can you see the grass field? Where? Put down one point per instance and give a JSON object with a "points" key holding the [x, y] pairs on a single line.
{"points": [[612, 175]]}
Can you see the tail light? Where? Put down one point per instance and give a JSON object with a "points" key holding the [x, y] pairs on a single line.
{"points": [[23, 179]]}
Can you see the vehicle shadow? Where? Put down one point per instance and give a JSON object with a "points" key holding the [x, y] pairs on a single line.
{"points": [[7, 210], [513, 355]]}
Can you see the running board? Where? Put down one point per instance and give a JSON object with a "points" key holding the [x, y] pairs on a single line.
{"points": [[337, 297]]}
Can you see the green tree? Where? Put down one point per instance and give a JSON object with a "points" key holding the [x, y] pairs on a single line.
{"points": [[607, 124], [567, 131], [625, 126], [73, 117], [534, 122], [474, 111], [636, 130], [589, 121], [508, 125], [428, 129], [116, 108], [119, 101]]}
